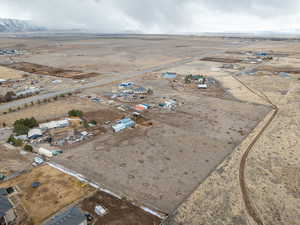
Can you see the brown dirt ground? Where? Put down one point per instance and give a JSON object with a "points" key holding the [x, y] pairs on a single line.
{"points": [[221, 60], [57, 191], [120, 212], [103, 115], [278, 69], [47, 70]]}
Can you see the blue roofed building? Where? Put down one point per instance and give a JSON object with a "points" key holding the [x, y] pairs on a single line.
{"points": [[123, 124]]}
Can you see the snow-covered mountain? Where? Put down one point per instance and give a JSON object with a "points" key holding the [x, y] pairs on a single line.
{"points": [[13, 25]]}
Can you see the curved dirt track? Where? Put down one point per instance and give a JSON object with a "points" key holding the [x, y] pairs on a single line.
{"points": [[250, 205]]}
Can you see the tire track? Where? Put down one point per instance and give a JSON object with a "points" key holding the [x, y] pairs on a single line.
{"points": [[250, 205]]}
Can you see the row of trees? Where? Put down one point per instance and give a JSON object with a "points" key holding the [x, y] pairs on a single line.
{"points": [[9, 96]]}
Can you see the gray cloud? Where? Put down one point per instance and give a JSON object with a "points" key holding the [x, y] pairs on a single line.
{"points": [[158, 15]]}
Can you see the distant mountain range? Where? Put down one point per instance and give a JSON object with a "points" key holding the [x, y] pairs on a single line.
{"points": [[13, 25]]}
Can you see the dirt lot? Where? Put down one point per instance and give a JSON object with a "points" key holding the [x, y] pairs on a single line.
{"points": [[11, 161], [57, 191], [143, 164], [222, 60], [120, 212], [104, 115], [278, 69], [46, 70]]}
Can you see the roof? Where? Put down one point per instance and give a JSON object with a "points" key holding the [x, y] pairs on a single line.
{"points": [[140, 90], [73, 216], [5, 205], [35, 133], [54, 124], [197, 77], [3, 191]]}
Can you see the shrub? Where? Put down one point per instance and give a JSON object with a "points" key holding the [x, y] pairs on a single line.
{"points": [[94, 122], [75, 113], [28, 148], [16, 142]]}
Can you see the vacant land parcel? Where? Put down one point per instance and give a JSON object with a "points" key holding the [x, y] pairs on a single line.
{"points": [[160, 166]]}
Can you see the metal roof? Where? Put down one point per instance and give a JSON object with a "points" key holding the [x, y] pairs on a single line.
{"points": [[73, 216], [5, 205], [3, 192]]}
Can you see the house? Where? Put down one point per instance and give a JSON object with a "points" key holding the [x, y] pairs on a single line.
{"points": [[54, 124], [35, 133], [7, 214], [73, 216], [123, 124]]}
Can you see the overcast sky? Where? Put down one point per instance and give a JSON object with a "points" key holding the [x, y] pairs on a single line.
{"points": [[159, 16]]}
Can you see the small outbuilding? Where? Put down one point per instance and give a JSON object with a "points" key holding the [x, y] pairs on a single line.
{"points": [[35, 133]]}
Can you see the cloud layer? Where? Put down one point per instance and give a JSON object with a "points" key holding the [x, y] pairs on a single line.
{"points": [[158, 16]]}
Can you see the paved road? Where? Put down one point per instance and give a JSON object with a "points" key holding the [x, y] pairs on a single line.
{"points": [[21, 102]]}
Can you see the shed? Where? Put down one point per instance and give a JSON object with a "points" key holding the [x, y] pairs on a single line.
{"points": [[48, 151], [35, 133], [202, 86], [141, 107], [169, 75], [73, 216]]}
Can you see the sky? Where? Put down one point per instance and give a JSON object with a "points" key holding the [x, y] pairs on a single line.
{"points": [[159, 16]]}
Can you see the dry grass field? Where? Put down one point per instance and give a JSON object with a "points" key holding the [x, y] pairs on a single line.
{"points": [[52, 110], [7, 73]]}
